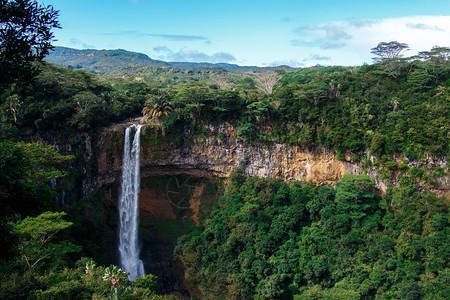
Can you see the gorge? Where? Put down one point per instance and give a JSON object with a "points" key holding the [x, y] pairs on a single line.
{"points": [[334, 185], [220, 151], [198, 168]]}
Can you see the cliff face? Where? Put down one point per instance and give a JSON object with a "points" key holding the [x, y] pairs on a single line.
{"points": [[162, 220], [217, 154]]}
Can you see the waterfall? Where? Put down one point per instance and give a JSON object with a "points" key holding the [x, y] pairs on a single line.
{"points": [[128, 206]]}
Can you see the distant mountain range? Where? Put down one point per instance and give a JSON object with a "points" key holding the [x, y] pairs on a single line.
{"points": [[112, 61]]}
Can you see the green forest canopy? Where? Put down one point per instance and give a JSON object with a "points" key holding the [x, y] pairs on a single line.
{"points": [[267, 239]]}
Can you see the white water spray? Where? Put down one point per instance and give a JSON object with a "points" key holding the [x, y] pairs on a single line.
{"points": [[128, 206]]}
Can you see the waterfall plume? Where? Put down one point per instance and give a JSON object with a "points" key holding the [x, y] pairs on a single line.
{"points": [[129, 248]]}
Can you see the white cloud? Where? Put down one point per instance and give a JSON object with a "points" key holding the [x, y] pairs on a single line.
{"points": [[318, 43], [325, 36], [162, 49], [78, 43], [177, 37], [349, 42], [317, 57], [189, 55], [423, 27], [361, 22], [398, 30], [170, 37], [292, 63]]}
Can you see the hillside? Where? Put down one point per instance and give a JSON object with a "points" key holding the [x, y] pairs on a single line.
{"points": [[378, 235], [100, 60], [113, 62], [125, 177], [228, 67]]}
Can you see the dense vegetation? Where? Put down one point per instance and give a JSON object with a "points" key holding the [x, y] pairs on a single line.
{"points": [[266, 239], [38, 260], [125, 63], [64, 102], [348, 109], [396, 111], [275, 240], [25, 37], [391, 108]]}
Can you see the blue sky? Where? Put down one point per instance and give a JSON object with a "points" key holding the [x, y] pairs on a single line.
{"points": [[246, 32]]}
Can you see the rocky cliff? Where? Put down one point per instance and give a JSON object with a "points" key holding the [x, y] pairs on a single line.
{"points": [[217, 153], [214, 154]]}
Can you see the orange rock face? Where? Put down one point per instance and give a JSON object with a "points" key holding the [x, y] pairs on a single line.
{"points": [[156, 206], [214, 157], [219, 152]]}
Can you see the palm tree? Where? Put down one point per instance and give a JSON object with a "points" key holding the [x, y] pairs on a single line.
{"points": [[156, 109]]}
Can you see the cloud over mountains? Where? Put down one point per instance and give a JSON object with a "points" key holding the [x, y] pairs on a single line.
{"points": [[357, 36], [338, 34], [189, 55]]}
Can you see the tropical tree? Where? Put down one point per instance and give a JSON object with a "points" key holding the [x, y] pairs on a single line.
{"points": [[315, 93], [25, 37], [25, 170], [222, 83], [438, 59], [389, 50], [148, 282], [118, 279], [36, 235], [265, 82], [156, 108], [389, 57]]}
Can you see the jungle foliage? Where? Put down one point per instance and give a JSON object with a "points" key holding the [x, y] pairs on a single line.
{"points": [[394, 107], [275, 240], [268, 239], [66, 103], [25, 37], [38, 259]]}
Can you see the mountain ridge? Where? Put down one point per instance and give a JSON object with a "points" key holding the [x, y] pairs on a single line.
{"points": [[99, 61]]}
